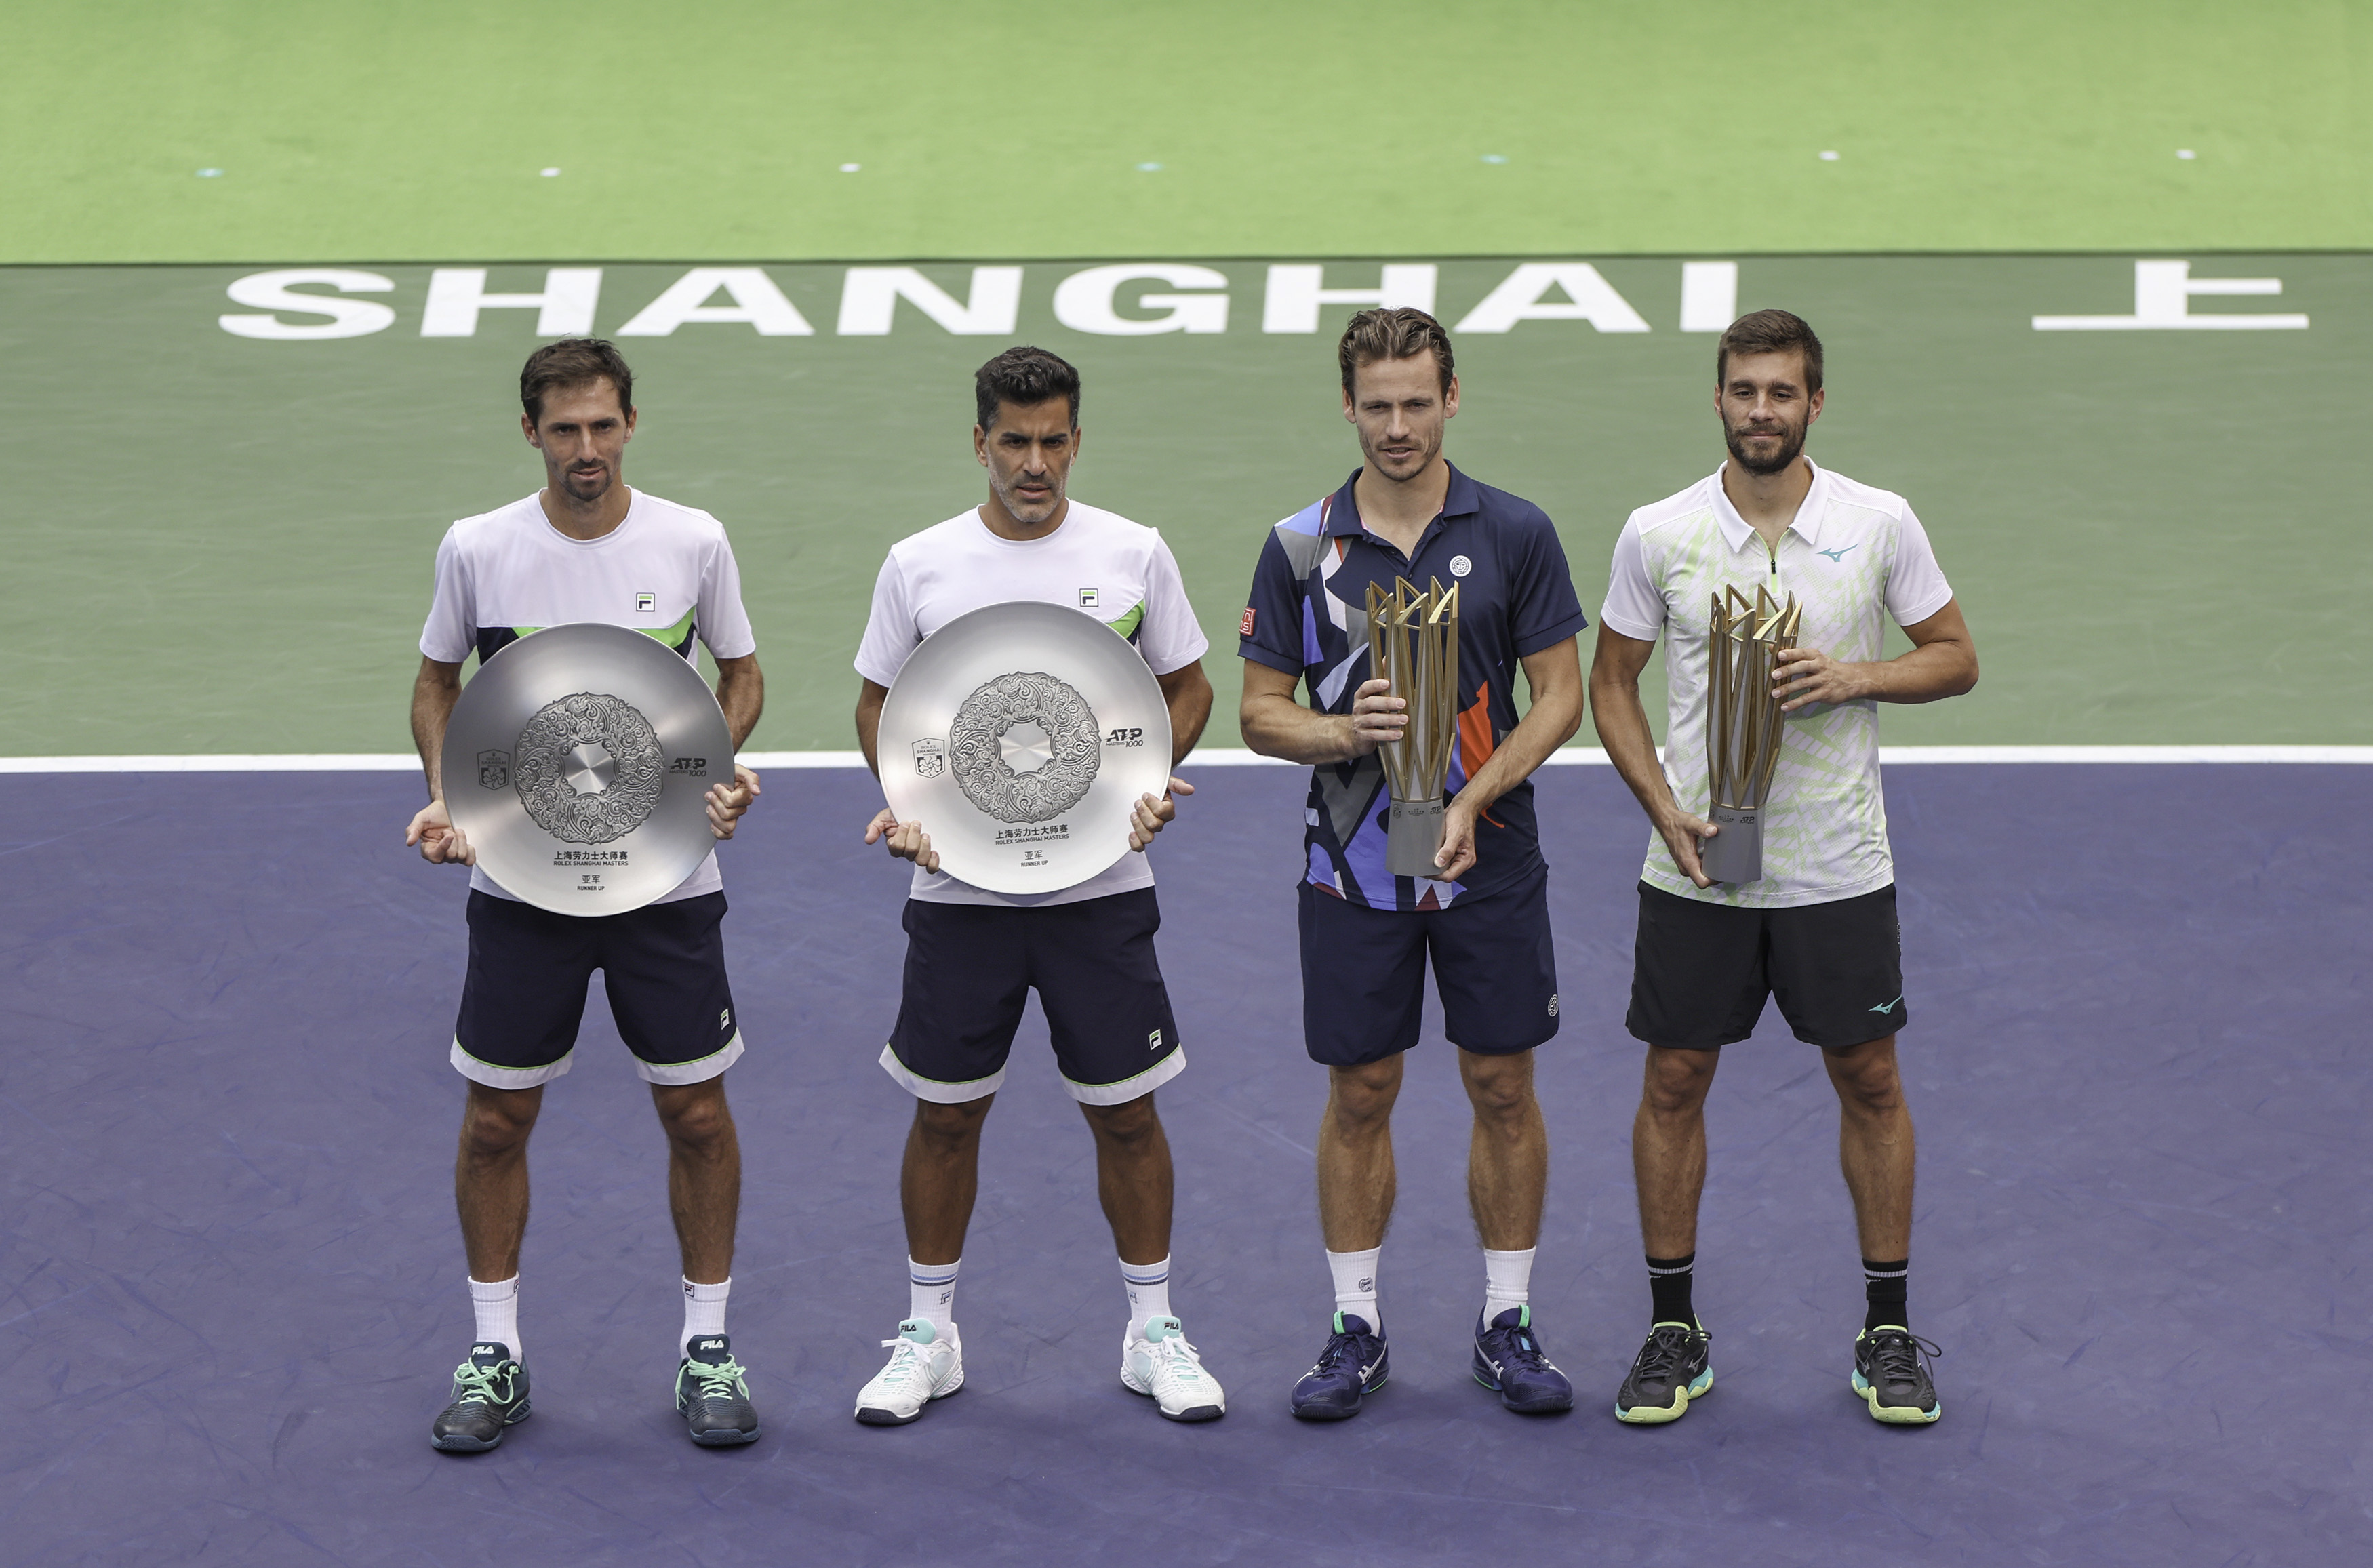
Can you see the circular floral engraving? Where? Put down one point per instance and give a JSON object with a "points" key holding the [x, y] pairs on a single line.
{"points": [[589, 719], [979, 762]]}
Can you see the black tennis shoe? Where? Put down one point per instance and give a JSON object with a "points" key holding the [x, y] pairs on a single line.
{"points": [[1891, 1375], [489, 1394], [712, 1394], [1675, 1366]]}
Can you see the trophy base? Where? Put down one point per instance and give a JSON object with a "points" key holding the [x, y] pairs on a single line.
{"points": [[1412, 837], [1735, 854]]}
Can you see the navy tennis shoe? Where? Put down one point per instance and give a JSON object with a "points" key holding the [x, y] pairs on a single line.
{"points": [[1510, 1361], [1353, 1365]]}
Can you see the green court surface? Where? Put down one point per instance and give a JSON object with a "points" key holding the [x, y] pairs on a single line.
{"points": [[719, 129], [221, 543]]}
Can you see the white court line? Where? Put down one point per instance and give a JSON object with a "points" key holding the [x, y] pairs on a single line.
{"points": [[1578, 757]]}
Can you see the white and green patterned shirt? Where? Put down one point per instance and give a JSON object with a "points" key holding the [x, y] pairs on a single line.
{"points": [[1852, 553]]}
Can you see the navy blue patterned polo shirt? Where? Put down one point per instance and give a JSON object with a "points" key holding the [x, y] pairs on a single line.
{"points": [[1308, 617]]}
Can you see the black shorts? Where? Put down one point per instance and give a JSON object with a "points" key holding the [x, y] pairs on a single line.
{"points": [[1699, 971], [663, 965], [969, 971], [1363, 973]]}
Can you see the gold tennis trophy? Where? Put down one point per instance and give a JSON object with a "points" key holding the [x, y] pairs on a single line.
{"points": [[1413, 643], [1743, 721]]}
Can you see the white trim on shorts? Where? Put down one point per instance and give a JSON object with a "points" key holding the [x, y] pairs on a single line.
{"points": [[493, 1077], [700, 1069], [1128, 1088], [934, 1090]]}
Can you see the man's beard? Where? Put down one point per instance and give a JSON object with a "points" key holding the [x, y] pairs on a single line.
{"points": [[1427, 451], [584, 487], [1792, 444]]}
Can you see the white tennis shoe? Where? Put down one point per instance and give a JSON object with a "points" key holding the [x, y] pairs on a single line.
{"points": [[922, 1367], [1161, 1364]]}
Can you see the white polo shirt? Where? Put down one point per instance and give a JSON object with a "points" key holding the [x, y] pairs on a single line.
{"points": [[1852, 555], [1116, 571], [665, 570]]}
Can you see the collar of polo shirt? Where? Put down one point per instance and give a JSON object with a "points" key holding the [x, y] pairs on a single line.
{"points": [[1457, 501], [1806, 524]]}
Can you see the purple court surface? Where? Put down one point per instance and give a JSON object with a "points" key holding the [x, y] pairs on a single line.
{"points": [[233, 1287]]}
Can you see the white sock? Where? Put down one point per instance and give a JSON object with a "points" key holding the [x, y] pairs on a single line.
{"points": [[497, 1305], [1355, 1282], [1149, 1291], [704, 1311], [932, 1292], [1507, 1280]]}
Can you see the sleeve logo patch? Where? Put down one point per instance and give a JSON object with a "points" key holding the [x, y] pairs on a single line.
{"points": [[1089, 599], [1245, 627], [646, 603]]}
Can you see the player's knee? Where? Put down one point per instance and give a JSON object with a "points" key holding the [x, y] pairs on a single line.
{"points": [[1676, 1082], [949, 1127], [1500, 1090], [701, 1122], [1133, 1123], [1870, 1085], [494, 1128], [1363, 1096]]}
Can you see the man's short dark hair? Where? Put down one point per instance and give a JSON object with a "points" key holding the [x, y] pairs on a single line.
{"points": [[1769, 332], [1025, 377], [574, 362], [1400, 333]]}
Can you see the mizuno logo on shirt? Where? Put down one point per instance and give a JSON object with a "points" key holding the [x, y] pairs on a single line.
{"points": [[1839, 555]]}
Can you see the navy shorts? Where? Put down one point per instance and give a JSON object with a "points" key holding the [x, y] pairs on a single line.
{"points": [[663, 965], [1701, 971], [1363, 973], [970, 969]]}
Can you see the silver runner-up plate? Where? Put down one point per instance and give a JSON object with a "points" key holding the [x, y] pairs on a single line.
{"points": [[577, 762], [1021, 736]]}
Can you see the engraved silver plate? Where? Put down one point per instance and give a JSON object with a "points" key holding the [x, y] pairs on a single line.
{"points": [[578, 762], [1021, 736]]}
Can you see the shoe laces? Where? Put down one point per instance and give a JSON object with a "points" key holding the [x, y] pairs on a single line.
{"points": [[1897, 1354], [1518, 1345], [1341, 1348], [475, 1385], [717, 1380], [907, 1361], [1667, 1344], [1172, 1355]]}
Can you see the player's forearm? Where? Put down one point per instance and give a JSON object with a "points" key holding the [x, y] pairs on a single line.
{"points": [[1549, 723], [432, 708], [1188, 695], [1281, 727], [742, 694], [1630, 745], [868, 723], [1926, 673]]}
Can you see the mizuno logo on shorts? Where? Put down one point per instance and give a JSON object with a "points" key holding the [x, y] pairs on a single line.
{"points": [[1887, 1006]]}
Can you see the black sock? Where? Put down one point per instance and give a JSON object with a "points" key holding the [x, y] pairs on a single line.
{"points": [[1882, 1287], [1668, 1289]]}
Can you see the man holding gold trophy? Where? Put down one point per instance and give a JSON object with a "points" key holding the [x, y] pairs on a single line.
{"points": [[1768, 873], [1407, 600]]}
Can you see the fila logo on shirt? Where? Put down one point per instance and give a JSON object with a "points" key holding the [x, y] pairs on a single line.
{"points": [[1089, 599], [646, 603]]}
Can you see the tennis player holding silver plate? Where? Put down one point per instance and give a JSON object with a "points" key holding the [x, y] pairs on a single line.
{"points": [[585, 776], [1031, 671]]}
